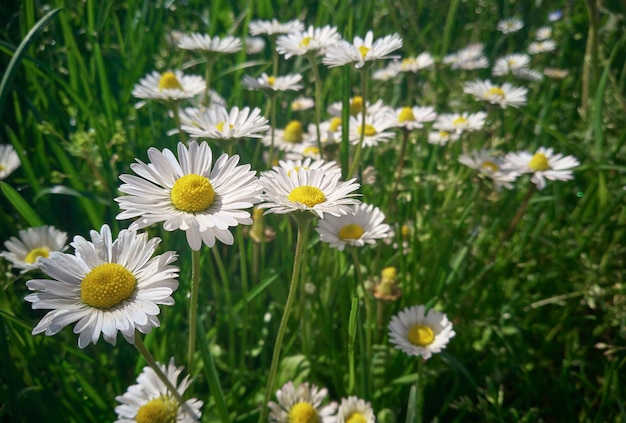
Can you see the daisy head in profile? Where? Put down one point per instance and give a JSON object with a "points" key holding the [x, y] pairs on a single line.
{"points": [[543, 164], [314, 41], [210, 45], [510, 25], [355, 410], [150, 401], [414, 117], [9, 160], [502, 95], [274, 27], [362, 50], [190, 193], [107, 286], [271, 84], [169, 86], [489, 166], [31, 245], [221, 124], [416, 331], [303, 404]]}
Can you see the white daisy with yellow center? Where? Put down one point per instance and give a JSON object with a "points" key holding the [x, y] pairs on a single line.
{"points": [[274, 27], [507, 26], [503, 95], [362, 50], [543, 164], [33, 244], [355, 410], [414, 64], [208, 44], [301, 405], [544, 46], [414, 117], [273, 83], [460, 122], [511, 64], [489, 166], [190, 193], [9, 160], [169, 86], [106, 286], [149, 401], [364, 225], [417, 332], [307, 190], [442, 137], [312, 41], [219, 123], [307, 164], [374, 130], [469, 58]]}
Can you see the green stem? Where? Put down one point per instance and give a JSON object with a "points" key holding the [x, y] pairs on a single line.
{"points": [[394, 191], [419, 412], [318, 101], [359, 148], [243, 266], [210, 60], [181, 134], [229, 305], [141, 347], [193, 307], [303, 233], [368, 306]]}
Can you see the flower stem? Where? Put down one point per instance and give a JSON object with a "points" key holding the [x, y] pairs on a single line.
{"points": [[229, 305], [419, 409], [303, 234], [359, 148], [318, 101], [193, 307], [181, 133]]}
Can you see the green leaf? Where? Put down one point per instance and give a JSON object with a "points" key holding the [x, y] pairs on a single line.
{"points": [[22, 207]]}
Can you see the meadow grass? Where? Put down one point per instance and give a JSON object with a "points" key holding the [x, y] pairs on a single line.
{"points": [[538, 305]]}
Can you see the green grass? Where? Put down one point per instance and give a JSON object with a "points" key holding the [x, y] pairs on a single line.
{"points": [[538, 311]]}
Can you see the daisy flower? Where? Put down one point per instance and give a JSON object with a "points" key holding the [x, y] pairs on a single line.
{"points": [[373, 130], [417, 63], [286, 139], [508, 26], [511, 63], [469, 58], [274, 27], [460, 122], [302, 103], [301, 405], [364, 225], [544, 164], [442, 137], [313, 190], [544, 46], [414, 117], [190, 193], [169, 86], [208, 44], [254, 45], [273, 83], [543, 33], [307, 164], [528, 75], [106, 286], [362, 50], [503, 95], [355, 410], [314, 41], [33, 244], [218, 123], [489, 166], [388, 72], [9, 160], [415, 332], [151, 401]]}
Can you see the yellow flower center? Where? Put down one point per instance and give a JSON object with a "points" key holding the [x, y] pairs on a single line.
{"points": [[363, 50], [496, 91], [220, 126], [408, 61], [271, 80], [311, 151], [35, 253], [490, 166], [406, 115], [351, 231], [405, 231], [444, 134], [158, 410], [539, 162], [459, 121], [293, 132], [192, 193], [307, 195], [389, 273], [356, 105], [421, 335], [107, 285], [169, 81], [356, 417], [335, 123], [368, 130], [306, 41], [2, 168], [303, 412]]}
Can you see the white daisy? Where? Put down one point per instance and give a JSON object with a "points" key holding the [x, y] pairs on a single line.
{"points": [[415, 332], [274, 27], [544, 164], [208, 44], [151, 401], [305, 149], [544, 46], [543, 33], [313, 40], [417, 63], [307, 164], [302, 103], [460, 122], [106, 286], [169, 86], [489, 166], [190, 193], [286, 139], [503, 95], [355, 410], [362, 50], [301, 405], [218, 123], [363, 225], [469, 58], [33, 244], [511, 63], [254, 45], [374, 129], [273, 83], [388, 72], [507, 26], [414, 117], [312, 190], [9, 160], [442, 137], [528, 75]]}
